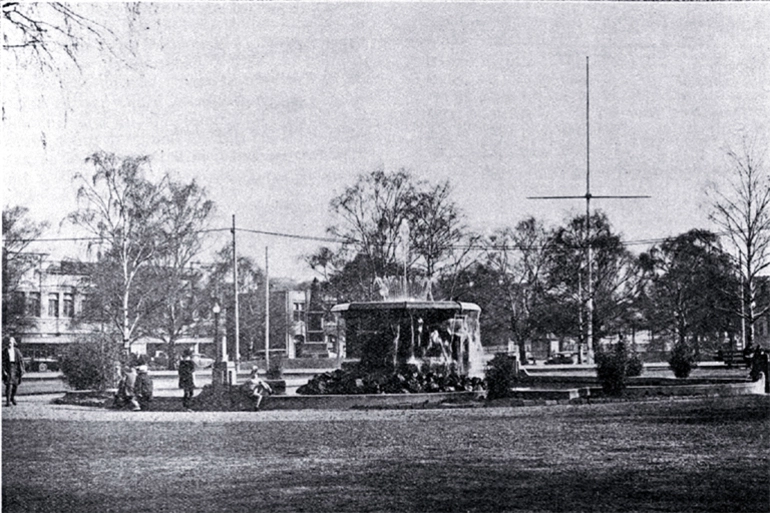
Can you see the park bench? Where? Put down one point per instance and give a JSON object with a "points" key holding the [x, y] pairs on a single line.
{"points": [[731, 357]]}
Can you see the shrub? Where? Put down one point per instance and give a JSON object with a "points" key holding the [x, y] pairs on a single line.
{"points": [[682, 360], [612, 368], [356, 378], [500, 376], [91, 363]]}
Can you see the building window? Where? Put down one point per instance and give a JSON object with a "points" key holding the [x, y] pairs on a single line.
{"points": [[33, 304], [299, 312], [53, 304], [17, 303], [68, 305]]}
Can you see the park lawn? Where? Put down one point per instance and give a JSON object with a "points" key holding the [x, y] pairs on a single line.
{"points": [[707, 454]]}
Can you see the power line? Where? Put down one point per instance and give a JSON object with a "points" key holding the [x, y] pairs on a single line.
{"points": [[639, 242], [293, 236]]}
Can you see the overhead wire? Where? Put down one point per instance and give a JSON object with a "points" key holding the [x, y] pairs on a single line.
{"points": [[638, 242]]}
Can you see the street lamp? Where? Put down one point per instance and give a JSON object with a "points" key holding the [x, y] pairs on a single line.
{"points": [[218, 372]]}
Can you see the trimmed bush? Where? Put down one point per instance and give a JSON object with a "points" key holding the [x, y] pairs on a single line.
{"points": [[500, 376], [612, 368], [91, 363], [682, 360]]}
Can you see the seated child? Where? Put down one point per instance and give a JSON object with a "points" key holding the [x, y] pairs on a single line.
{"points": [[256, 388], [125, 394]]}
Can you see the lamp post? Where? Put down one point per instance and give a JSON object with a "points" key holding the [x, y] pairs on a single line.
{"points": [[219, 369]]}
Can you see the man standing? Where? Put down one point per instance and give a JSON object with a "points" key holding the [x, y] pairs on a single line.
{"points": [[187, 378], [13, 370]]}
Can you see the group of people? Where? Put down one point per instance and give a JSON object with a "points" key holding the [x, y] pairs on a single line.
{"points": [[135, 388], [254, 387]]}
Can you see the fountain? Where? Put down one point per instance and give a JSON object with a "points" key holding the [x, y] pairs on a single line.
{"points": [[389, 334], [405, 347]]}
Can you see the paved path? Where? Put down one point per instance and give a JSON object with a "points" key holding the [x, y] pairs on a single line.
{"points": [[41, 407]]}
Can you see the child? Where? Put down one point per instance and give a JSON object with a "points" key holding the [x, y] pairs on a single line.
{"points": [[256, 388], [125, 394], [143, 387], [187, 378]]}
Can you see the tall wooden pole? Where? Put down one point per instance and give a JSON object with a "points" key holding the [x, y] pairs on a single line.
{"points": [[237, 309], [267, 309], [589, 255]]}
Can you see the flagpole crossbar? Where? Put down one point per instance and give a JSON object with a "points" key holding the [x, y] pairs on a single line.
{"points": [[589, 306]]}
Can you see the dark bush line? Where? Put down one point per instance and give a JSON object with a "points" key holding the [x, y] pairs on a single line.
{"points": [[405, 379]]}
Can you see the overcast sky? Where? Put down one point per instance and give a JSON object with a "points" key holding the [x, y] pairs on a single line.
{"points": [[276, 107]]}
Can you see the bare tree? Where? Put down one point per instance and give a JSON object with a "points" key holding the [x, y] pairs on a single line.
{"points": [[371, 214], [519, 257], [185, 212], [742, 210], [123, 210], [48, 34], [436, 229]]}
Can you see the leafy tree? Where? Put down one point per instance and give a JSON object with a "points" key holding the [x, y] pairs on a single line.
{"points": [[615, 279], [18, 233], [742, 210], [691, 284]]}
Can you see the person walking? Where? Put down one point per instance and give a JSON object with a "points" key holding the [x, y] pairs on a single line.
{"points": [[187, 378], [13, 370]]}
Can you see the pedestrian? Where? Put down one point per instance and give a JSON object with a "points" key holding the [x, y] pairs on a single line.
{"points": [[256, 388], [187, 378], [125, 393], [759, 363], [143, 387], [13, 370]]}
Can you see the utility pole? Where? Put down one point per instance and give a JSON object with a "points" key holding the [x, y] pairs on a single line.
{"points": [[589, 296], [267, 310], [237, 309]]}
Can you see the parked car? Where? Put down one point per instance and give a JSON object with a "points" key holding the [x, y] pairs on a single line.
{"points": [[560, 359], [42, 364]]}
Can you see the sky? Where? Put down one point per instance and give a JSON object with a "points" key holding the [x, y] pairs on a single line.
{"points": [[276, 107]]}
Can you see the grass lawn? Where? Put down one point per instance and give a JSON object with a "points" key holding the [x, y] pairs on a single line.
{"points": [[695, 455]]}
